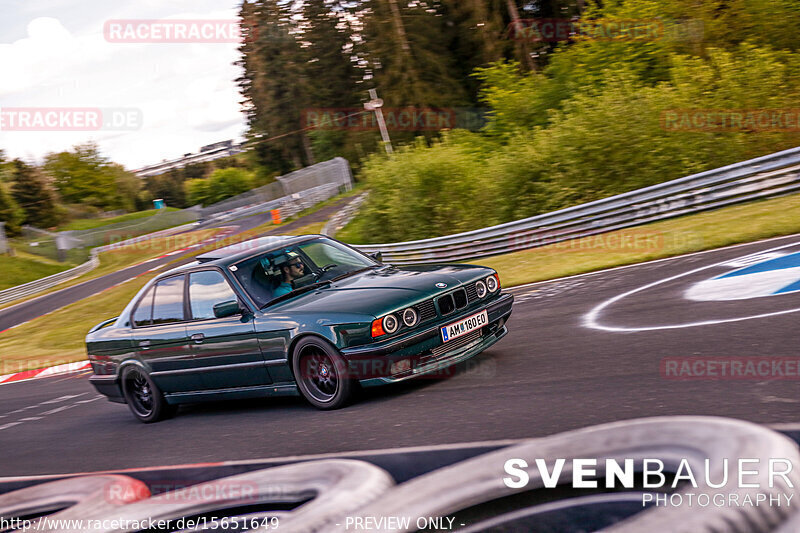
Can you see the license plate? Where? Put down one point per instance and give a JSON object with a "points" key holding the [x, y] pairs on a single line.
{"points": [[464, 326]]}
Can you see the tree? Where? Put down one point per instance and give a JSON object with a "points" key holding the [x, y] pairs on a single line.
{"points": [[222, 184], [10, 212], [128, 187], [34, 194], [82, 177], [169, 187], [272, 84]]}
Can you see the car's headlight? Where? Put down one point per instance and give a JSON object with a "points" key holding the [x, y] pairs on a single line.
{"points": [[480, 288], [410, 317], [390, 324], [493, 283], [385, 326]]}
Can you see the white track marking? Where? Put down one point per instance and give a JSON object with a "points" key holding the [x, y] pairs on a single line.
{"points": [[753, 259], [591, 319], [9, 425], [90, 400], [63, 398], [59, 409]]}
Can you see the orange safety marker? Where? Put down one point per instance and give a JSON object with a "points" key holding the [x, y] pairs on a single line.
{"points": [[276, 216]]}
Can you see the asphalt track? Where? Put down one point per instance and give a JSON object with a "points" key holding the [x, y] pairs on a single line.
{"points": [[20, 313], [580, 351]]}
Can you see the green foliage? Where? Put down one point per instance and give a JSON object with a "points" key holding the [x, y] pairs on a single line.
{"points": [[169, 187], [540, 153], [10, 212], [34, 194], [82, 176], [91, 223], [222, 184], [19, 270]]}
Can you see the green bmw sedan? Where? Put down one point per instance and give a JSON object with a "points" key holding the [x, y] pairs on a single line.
{"points": [[301, 315]]}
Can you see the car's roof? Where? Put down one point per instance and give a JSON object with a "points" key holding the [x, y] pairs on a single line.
{"points": [[235, 252]]}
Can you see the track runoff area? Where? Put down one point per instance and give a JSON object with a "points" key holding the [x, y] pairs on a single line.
{"points": [[711, 333]]}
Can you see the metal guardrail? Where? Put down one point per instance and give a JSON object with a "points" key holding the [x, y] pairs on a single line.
{"points": [[39, 285], [764, 177]]}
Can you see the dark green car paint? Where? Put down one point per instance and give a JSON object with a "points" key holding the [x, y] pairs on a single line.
{"points": [[249, 354]]}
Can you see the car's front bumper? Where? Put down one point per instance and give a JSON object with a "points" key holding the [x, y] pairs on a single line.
{"points": [[424, 352]]}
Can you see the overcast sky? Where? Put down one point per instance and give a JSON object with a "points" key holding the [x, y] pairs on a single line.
{"points": [[53, 54]]}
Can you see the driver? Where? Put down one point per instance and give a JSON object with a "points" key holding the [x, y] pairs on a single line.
{"points": [[291, 269]]}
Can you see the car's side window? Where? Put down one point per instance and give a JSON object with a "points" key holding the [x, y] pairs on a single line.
{"points": [[168, 301], [207, 289], [143, 315]]}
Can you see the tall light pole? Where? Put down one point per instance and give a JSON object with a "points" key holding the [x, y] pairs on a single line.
{"points": [[375, 105]]}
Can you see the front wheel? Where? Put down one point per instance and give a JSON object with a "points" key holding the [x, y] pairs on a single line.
{"points": [[321, 374], [144, 398]]}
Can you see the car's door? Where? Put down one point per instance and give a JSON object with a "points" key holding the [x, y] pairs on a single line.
{"points": [[160, 337], [225, 348]]}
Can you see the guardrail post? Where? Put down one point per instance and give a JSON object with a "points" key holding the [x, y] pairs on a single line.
{"points": [[61, 248]]}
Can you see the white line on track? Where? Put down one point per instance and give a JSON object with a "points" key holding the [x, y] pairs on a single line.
{"points": [[63, 398], [59, 409], [591, 319]]}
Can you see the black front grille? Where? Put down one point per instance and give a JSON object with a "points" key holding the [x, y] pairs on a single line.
{"points": [[426, 310], [472, 292], [460, 297], [446, 304]]}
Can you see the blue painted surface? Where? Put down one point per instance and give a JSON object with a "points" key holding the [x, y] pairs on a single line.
{"points": [[790, 288], [779, 263]]}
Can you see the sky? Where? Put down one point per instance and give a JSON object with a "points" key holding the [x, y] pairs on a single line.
{"points": [[165, 99]]}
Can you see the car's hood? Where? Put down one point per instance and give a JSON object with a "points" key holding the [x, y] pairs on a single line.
{"points": [[384, 290]]}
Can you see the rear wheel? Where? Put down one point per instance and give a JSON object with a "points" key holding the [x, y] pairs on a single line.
{"points": [[144, 398], [321, 374]]}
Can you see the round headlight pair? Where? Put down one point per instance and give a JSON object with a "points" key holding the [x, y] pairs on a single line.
{"points": [[391, 324]]}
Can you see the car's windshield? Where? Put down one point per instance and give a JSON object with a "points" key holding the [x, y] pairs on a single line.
{"points": [[278, 273]]}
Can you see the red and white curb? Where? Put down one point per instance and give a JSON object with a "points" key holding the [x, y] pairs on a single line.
{"points": [[66, 368]]}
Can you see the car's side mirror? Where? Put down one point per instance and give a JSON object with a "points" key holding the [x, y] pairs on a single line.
{"points": [[227, 308], [377, 256]]}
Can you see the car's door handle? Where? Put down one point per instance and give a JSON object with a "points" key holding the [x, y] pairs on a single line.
{"points": [[144, 344], [198, 338]]}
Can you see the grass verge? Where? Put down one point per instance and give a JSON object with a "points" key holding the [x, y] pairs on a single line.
{"points": [[91, 223], [23, 268], [59, 336]]}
